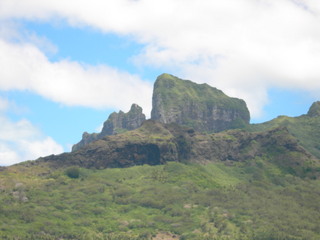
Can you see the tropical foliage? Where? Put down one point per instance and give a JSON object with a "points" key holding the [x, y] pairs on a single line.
{"points": [[249, 200]]}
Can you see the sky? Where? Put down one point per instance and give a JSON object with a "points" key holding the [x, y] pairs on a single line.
{"points": [[66, 65]]}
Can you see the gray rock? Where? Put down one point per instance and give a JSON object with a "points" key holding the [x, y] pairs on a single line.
{"points": [[116, 123], [120, 122]]}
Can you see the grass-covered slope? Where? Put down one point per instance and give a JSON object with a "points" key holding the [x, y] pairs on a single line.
{"points": [[245, 200], [305, 128], [177, 90]]}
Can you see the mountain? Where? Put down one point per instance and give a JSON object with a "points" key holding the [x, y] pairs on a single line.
{"points": [[178, 175], [183, 117], [200, 106], [116, 123]]}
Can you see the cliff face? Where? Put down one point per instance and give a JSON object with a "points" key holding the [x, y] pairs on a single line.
{"points": [[116, 123], [199, 106], [156, 143]]}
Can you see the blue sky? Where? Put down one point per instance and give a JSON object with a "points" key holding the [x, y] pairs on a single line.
{"points": [[65, 66]]}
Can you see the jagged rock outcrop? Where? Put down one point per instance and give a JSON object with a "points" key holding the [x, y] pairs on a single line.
{"points": [[116, 123], [314, 110], [119, 122], [156, 143], [199, 106]]}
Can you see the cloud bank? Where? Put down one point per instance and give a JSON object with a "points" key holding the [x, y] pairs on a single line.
{"points": [[241, 46]]}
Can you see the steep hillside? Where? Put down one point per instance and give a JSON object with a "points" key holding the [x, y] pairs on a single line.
{"points": [[305, 128]]}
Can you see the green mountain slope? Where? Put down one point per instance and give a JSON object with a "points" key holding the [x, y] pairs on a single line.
{"points": [[305, 128], [246, 200]]}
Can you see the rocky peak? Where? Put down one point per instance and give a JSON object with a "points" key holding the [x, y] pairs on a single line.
{"points": [[116, 123], [314, 110], [199, 106], [119, 122]]}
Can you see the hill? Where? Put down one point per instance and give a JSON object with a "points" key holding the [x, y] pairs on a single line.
{"points": [[245, 200], [306, 128]]}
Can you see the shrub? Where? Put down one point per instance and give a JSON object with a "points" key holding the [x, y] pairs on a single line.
{"points": [[73, 172]]}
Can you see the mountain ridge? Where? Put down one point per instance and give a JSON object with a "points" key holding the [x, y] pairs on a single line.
{"points": [[127, 139], [155, 143]]}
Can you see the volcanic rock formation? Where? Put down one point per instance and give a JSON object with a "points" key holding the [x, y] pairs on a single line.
{"points": [[200, 106], [116, 123]]}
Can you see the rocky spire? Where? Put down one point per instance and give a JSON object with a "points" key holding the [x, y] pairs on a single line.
{"points": [[116, 123]]}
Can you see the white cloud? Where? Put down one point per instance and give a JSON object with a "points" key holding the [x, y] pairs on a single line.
{"points": [[243, 47], [7, 155], [4, 104], [25, 67], [21, 141]]}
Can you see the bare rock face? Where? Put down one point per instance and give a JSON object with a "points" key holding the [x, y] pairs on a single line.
{"points": [[200, 106], [116, 123], [119, 122]]}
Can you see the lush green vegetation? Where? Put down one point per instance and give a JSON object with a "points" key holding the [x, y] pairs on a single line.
{"points": [[250, 200], [179, 90], [304, 128]]}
